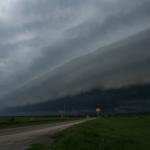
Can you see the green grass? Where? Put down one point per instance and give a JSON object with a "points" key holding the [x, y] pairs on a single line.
{"points": [[10, 122], [40, 147], [114, 133]]}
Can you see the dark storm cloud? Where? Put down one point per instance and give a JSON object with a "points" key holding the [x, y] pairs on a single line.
{"points": [[38, 36]]}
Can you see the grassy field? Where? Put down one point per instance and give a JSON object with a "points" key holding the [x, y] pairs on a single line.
{"points": [[7, 122], [114, 133]]}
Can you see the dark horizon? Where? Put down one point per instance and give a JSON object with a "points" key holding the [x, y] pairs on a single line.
{"points": [[125, 100]]}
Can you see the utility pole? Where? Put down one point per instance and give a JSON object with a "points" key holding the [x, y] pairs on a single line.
{"points": [[64, 109]]}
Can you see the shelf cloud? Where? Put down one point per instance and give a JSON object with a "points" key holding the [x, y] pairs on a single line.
{"points": [[37, 37]]}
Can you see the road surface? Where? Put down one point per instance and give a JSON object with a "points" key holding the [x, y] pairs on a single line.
{"points": [[21, 138]]}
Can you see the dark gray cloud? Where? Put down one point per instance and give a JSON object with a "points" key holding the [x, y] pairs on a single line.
{"points": [[38, 36]]}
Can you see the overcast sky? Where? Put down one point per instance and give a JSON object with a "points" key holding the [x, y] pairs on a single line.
{"points": [[38, 35]]}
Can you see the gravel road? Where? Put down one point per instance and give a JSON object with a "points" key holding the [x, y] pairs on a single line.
{"points": [[21, 138]]}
